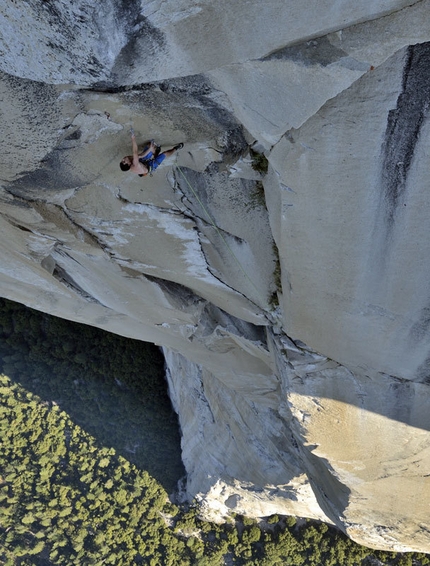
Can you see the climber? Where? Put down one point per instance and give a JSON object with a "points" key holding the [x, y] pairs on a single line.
{"points": [[147, 160]]}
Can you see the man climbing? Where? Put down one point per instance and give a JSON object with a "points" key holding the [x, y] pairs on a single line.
{"points": [[147, 160]]}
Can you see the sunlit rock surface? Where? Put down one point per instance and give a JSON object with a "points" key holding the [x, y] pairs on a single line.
{"points": [[293, 305]]}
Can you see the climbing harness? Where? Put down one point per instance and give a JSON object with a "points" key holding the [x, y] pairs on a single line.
{"points": [[149, 164]]}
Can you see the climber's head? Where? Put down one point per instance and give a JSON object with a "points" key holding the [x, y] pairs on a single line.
{"points": [[125, 163]]}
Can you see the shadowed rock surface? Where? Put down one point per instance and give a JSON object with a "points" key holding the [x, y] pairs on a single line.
{"points": [[292, 305]]}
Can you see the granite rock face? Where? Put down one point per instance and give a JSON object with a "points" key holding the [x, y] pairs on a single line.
{"points": [[292, 305]]}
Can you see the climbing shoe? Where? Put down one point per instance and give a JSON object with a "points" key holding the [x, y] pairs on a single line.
{"points": [[179, 146]]}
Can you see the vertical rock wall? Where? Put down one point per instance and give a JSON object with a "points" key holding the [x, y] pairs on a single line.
{"points": [[292, 304]]}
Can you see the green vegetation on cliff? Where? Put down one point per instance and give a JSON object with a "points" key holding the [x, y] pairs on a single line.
{"points": [[113, 387], [67, 500], [84, 416]]}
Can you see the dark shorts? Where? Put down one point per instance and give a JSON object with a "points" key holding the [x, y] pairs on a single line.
{"points": [[157, 160], [152, 161]]}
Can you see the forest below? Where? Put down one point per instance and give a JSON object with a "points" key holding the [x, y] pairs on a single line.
{"points": [[90, 463]]}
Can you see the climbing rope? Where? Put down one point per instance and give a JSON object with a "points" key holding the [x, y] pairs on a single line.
{"points": [[212, 222]]}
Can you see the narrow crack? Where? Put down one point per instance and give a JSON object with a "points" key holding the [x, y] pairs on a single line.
{"points": [[193, 215]]}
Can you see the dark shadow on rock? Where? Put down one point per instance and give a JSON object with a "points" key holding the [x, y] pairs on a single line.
{"points": [[313, 52], [112, 387], [404, 126]]}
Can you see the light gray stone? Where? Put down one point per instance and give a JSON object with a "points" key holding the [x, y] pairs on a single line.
{"points": [[292, 307], [348, 235]]}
